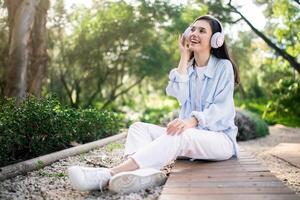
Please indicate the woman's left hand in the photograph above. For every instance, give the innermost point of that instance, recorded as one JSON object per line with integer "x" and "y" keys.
{"x": 177, "y": 126}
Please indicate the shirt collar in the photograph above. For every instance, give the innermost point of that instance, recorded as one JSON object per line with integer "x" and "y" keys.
{"x": 210, "y": 69}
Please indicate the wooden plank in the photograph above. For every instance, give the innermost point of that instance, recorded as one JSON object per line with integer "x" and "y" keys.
{"x": 225, "y": 170}
{"x": 194, "y": 168}
{"x": 213, "y": 179}
{"x": 222, "y": 165}
{"x": 221, "y": 174}
{"x": 208, "y": 165}
{"x": 224, "y": 184}
{"x": 189, "y": 191}
{"x": 219, "y": 163}
{"x": 194, "y": 163}
{"x": 230, "y": 162}
{"x": 182, "y": 162}
{"x": 230, "y": 197}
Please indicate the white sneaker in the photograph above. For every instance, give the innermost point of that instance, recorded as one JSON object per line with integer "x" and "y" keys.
{"x": 88, "y": 178}
{"x": 133, "y": 181}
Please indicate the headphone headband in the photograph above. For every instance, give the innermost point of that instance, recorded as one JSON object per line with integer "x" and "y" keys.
{"x": 211, "y": 18}
{"x": 219, "y": 23}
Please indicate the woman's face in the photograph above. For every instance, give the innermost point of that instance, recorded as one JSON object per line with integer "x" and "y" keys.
{"x": 199, "y": 38}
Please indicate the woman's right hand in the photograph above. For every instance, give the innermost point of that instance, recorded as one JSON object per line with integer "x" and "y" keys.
{"x": 183, "y": 44}
{"x": 185, "y": 54}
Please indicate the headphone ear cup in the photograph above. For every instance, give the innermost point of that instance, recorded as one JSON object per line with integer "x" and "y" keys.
{"x": 187, "y": 32}
{"x": 217, "y": 40}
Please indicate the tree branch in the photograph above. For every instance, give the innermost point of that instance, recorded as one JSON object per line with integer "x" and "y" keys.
{"x": 109, "y": 101}
{"x": 281, "y": 52}
{"x": 99, "y": 88}
{"x": 69, "y": 92}
{"x": 235, "y": 21}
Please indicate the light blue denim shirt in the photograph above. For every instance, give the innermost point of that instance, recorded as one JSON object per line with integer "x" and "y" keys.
{"x": 217, "y": 110}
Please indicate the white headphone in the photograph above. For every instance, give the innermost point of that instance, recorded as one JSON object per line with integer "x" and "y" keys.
{"x": 217, "y": 39}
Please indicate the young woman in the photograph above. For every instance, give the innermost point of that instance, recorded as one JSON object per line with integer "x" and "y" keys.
{"x": 204, "y": 84}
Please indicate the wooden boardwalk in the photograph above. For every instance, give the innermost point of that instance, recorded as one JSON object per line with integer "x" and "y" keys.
{"x": 235, "y": 179}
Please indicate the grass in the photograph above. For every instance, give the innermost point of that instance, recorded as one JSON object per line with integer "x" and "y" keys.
{"x": 40, "y": 164}
{"x": 82, "y": 156}
{"x": 114, "y": 145}
{"x": 47, "y": 174}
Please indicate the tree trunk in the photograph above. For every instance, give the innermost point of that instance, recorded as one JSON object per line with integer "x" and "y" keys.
{"x": 37, "y": 70}
{"x": 21, "y": 18}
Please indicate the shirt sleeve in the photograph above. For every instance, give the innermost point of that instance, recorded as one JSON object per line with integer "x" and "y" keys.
{"x": 221, "y": 110}
{"x": 178, "y": 86}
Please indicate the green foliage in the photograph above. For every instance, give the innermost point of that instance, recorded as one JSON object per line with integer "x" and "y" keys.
{"x": 266, "y": 75}
{"x": 41, "y": 126}
{"x": 155, "y": 115}
{"x": 113, "y": 46}
{"x": 257, "y": 105}
{"x": 92, "y": 124}
{"x": 285, "y": 105}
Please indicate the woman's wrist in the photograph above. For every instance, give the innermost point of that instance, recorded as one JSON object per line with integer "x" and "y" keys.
{"x": 183, "y": 65}
{"x": 194, "y": 121}
{"x": 184, "y": 57}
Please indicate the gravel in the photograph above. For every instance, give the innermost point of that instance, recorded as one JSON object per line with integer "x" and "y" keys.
{"x": 51, "y": 182}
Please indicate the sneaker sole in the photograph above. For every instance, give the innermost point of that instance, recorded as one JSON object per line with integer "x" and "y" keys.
{"x": 128, "y": 182}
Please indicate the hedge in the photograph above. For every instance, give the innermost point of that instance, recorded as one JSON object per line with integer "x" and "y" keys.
{"x": 39, "y": 126}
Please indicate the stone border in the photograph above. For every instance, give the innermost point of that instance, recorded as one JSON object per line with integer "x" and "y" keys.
{"x": 10, "y": 171}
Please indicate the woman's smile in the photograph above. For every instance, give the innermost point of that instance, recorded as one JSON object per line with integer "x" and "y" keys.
{"x": 194, "y": 40}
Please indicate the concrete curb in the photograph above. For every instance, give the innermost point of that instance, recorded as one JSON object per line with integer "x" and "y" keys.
{"x": 10, "y": 171}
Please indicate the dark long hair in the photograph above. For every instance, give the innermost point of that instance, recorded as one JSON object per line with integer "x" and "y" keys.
{"x": 221, "y": 52}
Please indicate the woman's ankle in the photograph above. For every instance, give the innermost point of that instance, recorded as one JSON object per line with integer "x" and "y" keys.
{"x": 128, "y": 165}
{"x": 126, "y": 156}
{"x": 112, "y": 172}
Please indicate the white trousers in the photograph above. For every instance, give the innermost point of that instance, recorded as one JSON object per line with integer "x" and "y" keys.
{"x": 150, "y": 146}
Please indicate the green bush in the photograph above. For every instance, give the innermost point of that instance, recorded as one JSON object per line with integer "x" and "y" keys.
{"x": 41, "y": 126}
{"x": 256, "y": 127}
{"x": 285, "y": 105}
{"x": 261, "y": 127}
